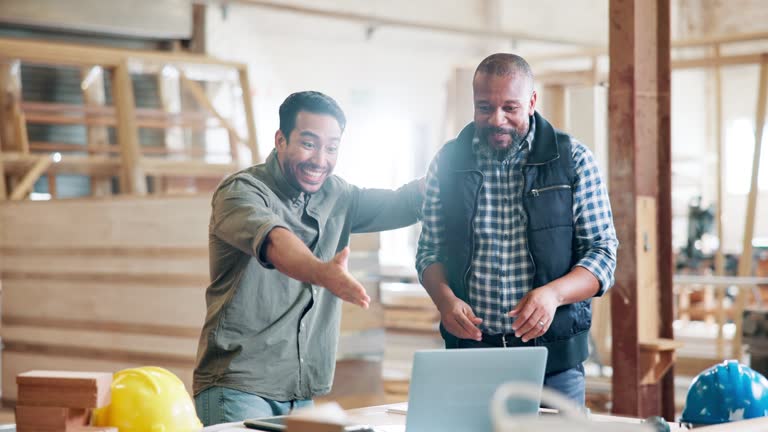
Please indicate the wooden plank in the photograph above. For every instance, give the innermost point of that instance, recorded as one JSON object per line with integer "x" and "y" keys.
{"x": 165, "y": 167}
{"x": 120, "y": 222}
{"x": 17, "y": 164}
{"x": 47, "y": 52}
{"x": 41, "y": 418}
{"x": 118, "y": 301}
{"x": 15, "y": 363}
{"x": 245, "y": 86}
{"x": 732, "y": 60}
{"x": 745, "y": 261}
{"x": 64, "y": 389}
{"x": 646, "y": 243}
{"x": 188, "y": 262}
{"x": 28, "y": 181}
{"x": 95, "y": 339}
{"x": 132, "y": 177}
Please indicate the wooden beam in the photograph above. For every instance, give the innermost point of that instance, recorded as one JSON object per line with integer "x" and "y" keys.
{"x": 94, "y": 97}
{"x": 245, "y": 86}
{"x": 732, "y": 60}
{"x": 198, "y": 93}
{"x": 720, "y": 39}
{"x": 639, "y": 138}
{"x": 745, "y": 261}
{"x": 28, "y": 181}
{"x": 381, "y": 21}
{"x": 188, "y": 168}
{"x": 10, "y": 94}
{"x": 46, "y": 52}
{"x": 132, "y": 176}
{"x": 16, "y": 164}
{"x": 21, "y": 139}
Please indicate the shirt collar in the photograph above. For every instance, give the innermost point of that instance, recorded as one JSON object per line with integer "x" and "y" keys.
{"x": 526, "y": 143}
{"x": 274, "y": 168}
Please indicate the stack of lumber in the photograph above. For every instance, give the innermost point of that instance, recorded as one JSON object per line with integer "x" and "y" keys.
{"x": 60, "y": 401}
{"x": 412, "y": 324}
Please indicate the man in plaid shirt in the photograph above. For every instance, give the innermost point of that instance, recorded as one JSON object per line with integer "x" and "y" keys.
{"x": 517, "y": 234}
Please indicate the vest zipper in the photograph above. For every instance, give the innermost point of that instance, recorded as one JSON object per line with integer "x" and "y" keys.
{"x": 536, "y": 192}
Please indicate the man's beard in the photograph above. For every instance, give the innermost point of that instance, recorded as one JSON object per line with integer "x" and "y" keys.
{"x": 516, "y": 137}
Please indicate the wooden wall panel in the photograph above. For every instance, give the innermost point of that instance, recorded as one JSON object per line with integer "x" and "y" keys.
{"x": 106, "y": 284}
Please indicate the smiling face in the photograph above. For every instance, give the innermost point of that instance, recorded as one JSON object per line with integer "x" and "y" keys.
{"x": 503, "y": 105}
{"x": 308, "y": 155}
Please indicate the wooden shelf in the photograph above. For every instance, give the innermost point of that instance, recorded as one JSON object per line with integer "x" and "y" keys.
{"x": 656, "y": 357}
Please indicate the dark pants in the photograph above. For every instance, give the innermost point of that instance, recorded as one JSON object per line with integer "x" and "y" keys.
{"x": 569, "y": 382}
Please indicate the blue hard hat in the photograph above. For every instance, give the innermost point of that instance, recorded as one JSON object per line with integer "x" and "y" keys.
{"x": 726, "y": 392}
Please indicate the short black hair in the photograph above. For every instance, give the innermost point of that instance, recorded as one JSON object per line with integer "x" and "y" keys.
{"x": 503, "y": 64}
{"x": 311, "y": 101}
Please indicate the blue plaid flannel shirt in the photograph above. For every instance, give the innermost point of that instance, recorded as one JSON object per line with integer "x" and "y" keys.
{"x": 499, "y": 281}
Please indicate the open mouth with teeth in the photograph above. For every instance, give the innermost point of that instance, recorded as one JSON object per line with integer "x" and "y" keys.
{"x": 311, "y": 174}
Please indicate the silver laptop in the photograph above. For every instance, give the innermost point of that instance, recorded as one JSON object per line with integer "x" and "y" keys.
{"x": 451, "y": 390}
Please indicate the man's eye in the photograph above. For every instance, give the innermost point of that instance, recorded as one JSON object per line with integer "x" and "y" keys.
{"x": 308, "y": 144}
{"x": 483, "y": 109}
{"x": 331, "y": 150}
{"x": 510, "y": 109}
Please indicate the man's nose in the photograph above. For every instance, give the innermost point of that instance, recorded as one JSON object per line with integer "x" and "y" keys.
{"x": 497, "y": 118}
{"x": 318, "y": 157}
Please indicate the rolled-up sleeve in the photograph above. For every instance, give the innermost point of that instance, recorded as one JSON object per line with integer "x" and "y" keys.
{"x": 432, "y": 227}
{"x": 383, "y": 209}
{"x": 242, "y": 217}
{"x": 596, "y": 241}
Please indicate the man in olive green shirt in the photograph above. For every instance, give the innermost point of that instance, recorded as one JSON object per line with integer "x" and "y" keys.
{"x": 278, "y": 240}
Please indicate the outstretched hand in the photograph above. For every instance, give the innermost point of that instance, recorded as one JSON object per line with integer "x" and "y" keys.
{"x": 336, "y": 279}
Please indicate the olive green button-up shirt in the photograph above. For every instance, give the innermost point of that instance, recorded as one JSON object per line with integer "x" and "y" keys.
{"x": 264, "y": 332}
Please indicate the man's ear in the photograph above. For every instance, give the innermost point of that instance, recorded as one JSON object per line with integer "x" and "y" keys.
{"x": 532, "y": 107}
{"x": 280, "y": 140}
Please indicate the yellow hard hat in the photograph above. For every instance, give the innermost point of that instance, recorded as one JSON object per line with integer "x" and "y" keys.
{"x": 148, "y": 399}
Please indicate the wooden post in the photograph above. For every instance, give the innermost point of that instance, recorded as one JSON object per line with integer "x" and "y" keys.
{"x": 10, "y": 96}
{"x": 28, "y": 181}
{"x": 745, "y": 261}
{"x": 245, "y": 85}
{"x": 132, "y": 180}
{"x": 93, "y": 95}
{"x": 3, "y": 186}
{"x": 639, "y": 131}
{"x": 720, "y": 197}
{"x": 666, "y": 259}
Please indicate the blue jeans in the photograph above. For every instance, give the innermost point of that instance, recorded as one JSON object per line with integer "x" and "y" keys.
{"x": 216, "y": 405}
{"x": 570, "y": 382}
